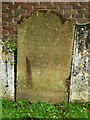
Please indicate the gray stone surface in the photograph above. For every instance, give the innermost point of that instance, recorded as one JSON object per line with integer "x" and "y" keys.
{"x": 89, "y": 82}
{"x": 88, "y": 97}
{"x": 6, "y": 72}
{"x": 80, "y": 65}
{"x": 89, "y": 66}
{"x": 89, "y": 90}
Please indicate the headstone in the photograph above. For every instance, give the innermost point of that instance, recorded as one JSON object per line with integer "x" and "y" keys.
{"x": 80, "y": 74}
{"x": 44, "y": 57}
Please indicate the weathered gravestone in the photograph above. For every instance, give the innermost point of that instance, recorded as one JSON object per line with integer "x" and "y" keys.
{"x": 44, "y": 57}
{"x": 80, "y": 73}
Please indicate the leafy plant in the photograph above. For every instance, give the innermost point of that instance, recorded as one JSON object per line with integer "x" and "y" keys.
{"x": 12, "y": 62}
{"x": 21, "y": 109}
{"x": 13, "y": 46}
{"x": 9, "y": 44}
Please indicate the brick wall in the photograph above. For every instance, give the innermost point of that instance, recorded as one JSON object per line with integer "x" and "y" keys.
{"x": 13, "y": 12}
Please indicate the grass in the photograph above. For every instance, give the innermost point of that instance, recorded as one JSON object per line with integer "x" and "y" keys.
{"x": 22, "y": 109}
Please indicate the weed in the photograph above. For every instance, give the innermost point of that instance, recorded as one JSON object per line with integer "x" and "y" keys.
{"x": 9, "y": 44}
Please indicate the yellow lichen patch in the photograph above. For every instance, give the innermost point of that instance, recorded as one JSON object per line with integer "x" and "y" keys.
{"x": 5, "y": 56}
{"x": 83, "y": 72}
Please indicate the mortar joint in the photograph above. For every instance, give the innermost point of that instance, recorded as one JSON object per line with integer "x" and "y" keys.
{"x": 83, "y": 16}
{"x": 63, "y": 12}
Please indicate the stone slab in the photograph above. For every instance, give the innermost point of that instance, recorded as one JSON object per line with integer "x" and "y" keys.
{"x": 44, "y": 57}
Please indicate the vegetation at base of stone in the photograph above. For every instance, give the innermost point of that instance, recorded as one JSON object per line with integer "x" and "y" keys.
{"x": 9, "y": 44}
{"x": 22, "y": 109}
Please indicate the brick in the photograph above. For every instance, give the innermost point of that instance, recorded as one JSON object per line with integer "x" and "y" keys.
{"x": 23, "y": 12}
{"x": 4, "y": 23}
{"x": 69, "y": 12}
{"x": 11, "y": 14}
{"x": 82, "y": 12}
{"x": 4, "y": 5}
{"x": 46, "y": 6}
{"x": 13, "y": 35}
{"x": 14, "y": 39}
{"x": 59, "y": 3}
{"x": 17, "y": 12}
{"x": 29, "y": 12}
{"x": 80, "y": 20}
{"x": 6, "y": 10}
{"x": 45, "y": 3}
{"x": 65, "y": 7}
{"x": 87, "y": 15}
{"x": 12, "y": 23}
{"x": 77, "y": 15}
{"x": 29, "y": 7}
{"x": 4, "y": 31}
{"x": 12, "y": 31}
{"x": 19, "y": 3}
{"x": 24, "y": 15}
{"x": 17, "y": 19}
{"x": 66, "y": 16}
{"x": 7, "y": 19}
{"x": 4, "y": 38}
{"x": 85, "y": 6}
{"x": 6, "y": 27}
{"x": 4, "y": 2}
{"x": 32, "y": 3}
{"x": 4, "y": 14}
{"x": 23, "y": 5}
{"x": 10, "y": 3}
{"x": 13, "y": 6}
{"x": 71, "y": 3}
{"x": 26, "y": 6}
{"x": 82, "y": 6}
{"x": 77, "y": 7}
{"x": 41, "y": 6}
{"x": 60, "y": 11}
{"x": 89, "y": 6}
{"x": 50, "y": 6}
{"x": 83, "y": 3}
